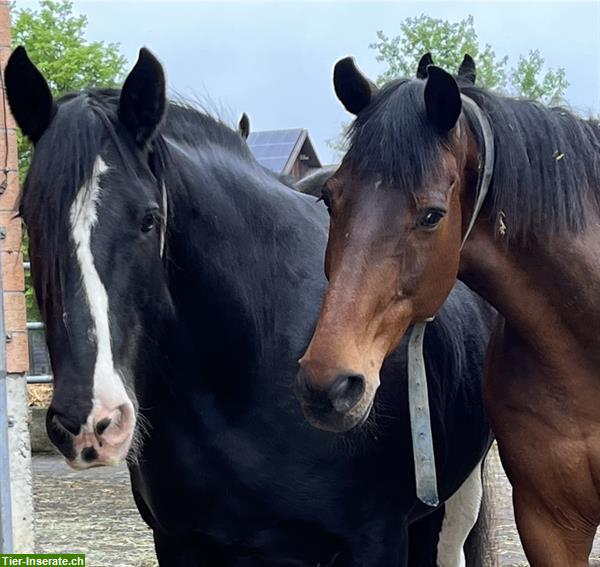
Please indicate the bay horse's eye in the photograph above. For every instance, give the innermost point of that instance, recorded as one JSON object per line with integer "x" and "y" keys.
{"x": 429, "y": 219}
{"x": 148, "y": 222}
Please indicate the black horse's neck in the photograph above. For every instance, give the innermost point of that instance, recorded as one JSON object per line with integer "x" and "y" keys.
{"x": 238, "y": 251}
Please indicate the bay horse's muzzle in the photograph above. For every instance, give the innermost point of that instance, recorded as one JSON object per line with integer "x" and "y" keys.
{"x": 331, "y": 407}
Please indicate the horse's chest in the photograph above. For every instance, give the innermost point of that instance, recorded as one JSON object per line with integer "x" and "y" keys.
{"x": 233, "y": 486}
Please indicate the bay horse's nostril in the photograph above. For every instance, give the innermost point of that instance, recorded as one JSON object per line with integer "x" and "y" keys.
{"x": 102, "y": 425}
{"x": 346, "y": 391}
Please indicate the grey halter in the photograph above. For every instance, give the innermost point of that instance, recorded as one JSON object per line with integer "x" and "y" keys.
{"x": 418, "y": 400}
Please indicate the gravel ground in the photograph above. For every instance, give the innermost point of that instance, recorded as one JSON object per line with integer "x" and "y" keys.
{"x": 89, "y": 512}
{"x": 92, "y": 512}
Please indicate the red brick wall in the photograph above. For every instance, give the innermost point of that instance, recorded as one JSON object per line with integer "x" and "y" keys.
{"x": 15, "y": 317}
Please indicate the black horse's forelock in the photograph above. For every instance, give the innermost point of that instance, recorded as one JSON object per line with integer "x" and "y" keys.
{"x": 547, "y": 160}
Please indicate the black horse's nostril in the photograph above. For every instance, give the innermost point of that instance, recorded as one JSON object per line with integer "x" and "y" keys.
{"x": 68, "y": 424}
{"x": 61, "y": 432}
{"x": 102, "y": 425}
{"x": 89, "y": 454}
{"x": 346, "y": 391}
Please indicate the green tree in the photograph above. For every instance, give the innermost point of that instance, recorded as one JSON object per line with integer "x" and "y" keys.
{"x": 448, "y": 42}
{"x": 55, "y": 41}
{"x": 529, "y": 80}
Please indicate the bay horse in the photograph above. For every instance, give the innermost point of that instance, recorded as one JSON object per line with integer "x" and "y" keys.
{"x": 401, "y": 203}
{"x": 179, "y": 282}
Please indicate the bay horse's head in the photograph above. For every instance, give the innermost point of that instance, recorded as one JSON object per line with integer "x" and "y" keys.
{"x": 94, "y": 206}
{"x": 395, "y": 234}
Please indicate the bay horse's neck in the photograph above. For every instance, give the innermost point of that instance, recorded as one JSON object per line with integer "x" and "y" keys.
{"x": 540, "y": 384}
{"x": 546, "y": 288}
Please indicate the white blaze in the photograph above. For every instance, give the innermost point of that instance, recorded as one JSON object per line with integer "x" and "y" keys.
{"x": 108, "y": 390}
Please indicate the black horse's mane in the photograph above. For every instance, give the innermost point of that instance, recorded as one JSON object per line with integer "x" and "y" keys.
{"x": 547, "y": 160}
{"x": 192, "y": 125}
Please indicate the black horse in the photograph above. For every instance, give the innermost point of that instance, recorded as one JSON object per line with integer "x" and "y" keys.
{"x": 180, "y": 282}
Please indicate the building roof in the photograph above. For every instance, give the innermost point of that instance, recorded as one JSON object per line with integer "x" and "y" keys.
{"x": 278, "y": 150}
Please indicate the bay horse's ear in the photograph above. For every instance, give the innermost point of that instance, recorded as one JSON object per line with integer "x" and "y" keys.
{"x": 143, "y": 98}
{"x": 352, "y": 88}
{"x": 426, "y": 60}
{"x": 244, "y": 126}
{"x": 28, "y": 94}
{"x": 442, "y": 98}
{"x": 467, "y": 72}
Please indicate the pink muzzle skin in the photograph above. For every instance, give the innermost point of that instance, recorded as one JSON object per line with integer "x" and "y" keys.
{"x": 106, "y": 437}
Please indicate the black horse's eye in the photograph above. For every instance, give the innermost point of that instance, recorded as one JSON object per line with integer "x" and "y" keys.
{"x": 429, "y": 219}
{"x": 148, "y": 222}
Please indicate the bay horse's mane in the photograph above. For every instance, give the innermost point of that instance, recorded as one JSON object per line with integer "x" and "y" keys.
{"x": 547, "y": 160}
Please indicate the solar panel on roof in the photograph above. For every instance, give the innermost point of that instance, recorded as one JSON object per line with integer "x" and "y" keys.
{"x": 272, "y": 148}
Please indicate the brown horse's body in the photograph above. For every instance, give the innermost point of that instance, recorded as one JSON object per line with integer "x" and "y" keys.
{"x": 542, "y": 384}
{"x": 400, "y": 205}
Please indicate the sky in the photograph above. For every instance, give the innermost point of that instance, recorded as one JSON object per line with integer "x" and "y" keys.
{"x": 274, "y": 60}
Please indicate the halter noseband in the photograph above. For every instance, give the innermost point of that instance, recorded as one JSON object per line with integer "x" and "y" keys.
{"x": 418, "y": 397}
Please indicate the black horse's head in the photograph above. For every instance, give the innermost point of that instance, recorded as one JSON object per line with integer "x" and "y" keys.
{"x": 95, "y": 207}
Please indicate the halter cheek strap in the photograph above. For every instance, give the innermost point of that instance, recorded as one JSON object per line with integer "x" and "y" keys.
{"x": 486, "y": 169}
{"x": 163, "y": 224}
{"x": 418, "y": 396}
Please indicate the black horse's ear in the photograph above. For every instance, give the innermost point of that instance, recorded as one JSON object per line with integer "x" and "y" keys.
{"x": 426, "y": 60}
{"x": 467, "y": 72}
{"x": 352, "y": 88}
{"x": 28, "y": 94}
{"x": 143, "y": 97}
{"x": 442, "y": 98}
{"x": 244, "y": 126}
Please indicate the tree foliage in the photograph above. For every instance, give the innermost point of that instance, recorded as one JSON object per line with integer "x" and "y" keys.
{"x": 449, "y": 41}
{"x": 529, "y": 81}
{"x": 446, "y": 41}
